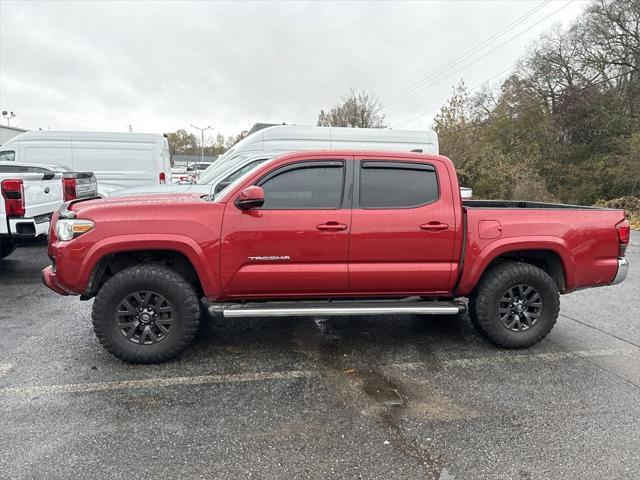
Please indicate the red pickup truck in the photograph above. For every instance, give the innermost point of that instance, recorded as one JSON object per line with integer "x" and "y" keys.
{"x": 328, "y": 233}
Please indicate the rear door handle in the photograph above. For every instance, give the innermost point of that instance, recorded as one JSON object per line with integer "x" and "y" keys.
{"x": 332, "y": 226}
{"x": 434, "y": 226}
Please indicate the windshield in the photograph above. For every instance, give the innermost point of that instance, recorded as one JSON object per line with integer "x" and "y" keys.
{"x": 240, "y": 177}
{"x": 219, "y": 167}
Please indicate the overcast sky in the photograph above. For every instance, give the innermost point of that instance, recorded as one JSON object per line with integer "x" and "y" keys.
{"x": 160, "y": 66}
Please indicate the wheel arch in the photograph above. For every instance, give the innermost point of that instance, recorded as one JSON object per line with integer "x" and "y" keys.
{"x": 551, "y": 256}
{"x": 107, "y": 258}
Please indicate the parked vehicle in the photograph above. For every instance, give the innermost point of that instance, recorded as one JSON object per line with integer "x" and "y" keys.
{"x": 328, "y": 233}
{"x": 285, "y": 138}
{"x": 178, "y": 174}
{"x": 27, "y": 202}
{"x": 30, "y": 195}
{"x": 74, "y": 184}
{"x": 198, "y": 167}
{"x": 118, "y": 160}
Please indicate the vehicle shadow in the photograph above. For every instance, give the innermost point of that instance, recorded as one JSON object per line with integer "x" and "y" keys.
{"x": 366, "y": 340}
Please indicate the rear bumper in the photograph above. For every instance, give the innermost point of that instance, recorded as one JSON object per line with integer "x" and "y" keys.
{"x": 50, "y": 280}
{"x": 623, "y": 269}
{"x": 29, "y": 227}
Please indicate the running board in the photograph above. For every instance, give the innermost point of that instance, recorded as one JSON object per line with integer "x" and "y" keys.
{"x": 305, "y": 309}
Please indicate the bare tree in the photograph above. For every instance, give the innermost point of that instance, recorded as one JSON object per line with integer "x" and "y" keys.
{"x": 355, "y": 109}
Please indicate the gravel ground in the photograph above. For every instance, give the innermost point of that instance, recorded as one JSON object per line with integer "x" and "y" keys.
{"x": 363, "y": 397}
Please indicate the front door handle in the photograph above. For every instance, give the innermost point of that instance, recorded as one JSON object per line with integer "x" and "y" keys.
{"x": 434, "y": 226}
{"x": 332, "y": 226}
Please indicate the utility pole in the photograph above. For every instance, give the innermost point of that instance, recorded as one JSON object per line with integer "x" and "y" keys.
{"x": 202, "y": 130}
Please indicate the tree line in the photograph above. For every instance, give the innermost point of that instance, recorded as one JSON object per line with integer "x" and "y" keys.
{"x": 565, "y": 125}
{"x": 184, "y": 142}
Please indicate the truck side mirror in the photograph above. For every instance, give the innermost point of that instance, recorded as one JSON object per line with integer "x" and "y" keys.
{"x": 250, "y": 197}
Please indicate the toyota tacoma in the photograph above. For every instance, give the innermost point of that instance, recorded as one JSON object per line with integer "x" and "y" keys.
{"x": 328, "y": 233}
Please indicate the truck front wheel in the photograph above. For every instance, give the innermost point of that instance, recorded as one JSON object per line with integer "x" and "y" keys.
{"x": 7, "y": 246}
{"x": 515, "y": 304}
{"x": 146, "y": 314}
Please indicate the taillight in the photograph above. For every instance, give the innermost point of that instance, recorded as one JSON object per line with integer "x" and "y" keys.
{"x": 69, "y": 187}
{"x": 163, "y": 178}
{"x": 624, "y": 233}
{"x": 13, "y": 194}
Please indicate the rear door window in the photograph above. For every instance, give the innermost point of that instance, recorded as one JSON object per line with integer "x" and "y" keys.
{"x": 397, "y": 184}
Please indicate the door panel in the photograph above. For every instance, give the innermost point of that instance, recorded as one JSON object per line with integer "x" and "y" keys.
{"x": 288, "y": 252}
{"x": 401, "y": 250}
{"x": 283, "y": 252}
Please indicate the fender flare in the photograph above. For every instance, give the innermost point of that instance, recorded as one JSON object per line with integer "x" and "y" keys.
{"x": 139, "y": 242}
{"x": 477, "y": 266}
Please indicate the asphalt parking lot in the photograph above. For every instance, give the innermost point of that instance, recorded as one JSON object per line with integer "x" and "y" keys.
{"x": 363, "y": 397}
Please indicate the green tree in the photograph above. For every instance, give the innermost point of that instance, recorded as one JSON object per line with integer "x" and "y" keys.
{"x": 183, "y": 142}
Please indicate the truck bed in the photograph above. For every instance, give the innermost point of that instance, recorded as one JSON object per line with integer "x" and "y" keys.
{"x": 583, "y": 239}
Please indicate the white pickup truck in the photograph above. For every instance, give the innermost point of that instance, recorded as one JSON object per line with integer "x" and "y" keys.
{"x": 26, "y": 204}
{"x": 30, "y": 193}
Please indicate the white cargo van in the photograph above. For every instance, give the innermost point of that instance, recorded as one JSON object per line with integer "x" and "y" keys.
{"x": 289, "y": 138}
{"x": 119, "y": 160}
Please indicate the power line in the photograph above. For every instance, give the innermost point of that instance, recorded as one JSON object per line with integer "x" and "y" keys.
{"x": 539, "y": 104}
{"x": 493, "y": 37}
{"x": 479, "y": 58}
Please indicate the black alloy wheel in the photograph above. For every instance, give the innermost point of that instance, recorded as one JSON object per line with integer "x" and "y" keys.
{"x": 520, "y": 308}
{"x": 145, "y": 317}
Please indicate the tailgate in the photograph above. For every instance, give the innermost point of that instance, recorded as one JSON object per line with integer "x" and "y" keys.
{"x": 85, "y": 185}
{"x": 42, "y": 193}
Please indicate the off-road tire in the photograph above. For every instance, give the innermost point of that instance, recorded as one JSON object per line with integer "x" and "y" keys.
{"x": 7, "y": 246}
{"x": 484, "y": 303}
{"x": 153, "y": 278}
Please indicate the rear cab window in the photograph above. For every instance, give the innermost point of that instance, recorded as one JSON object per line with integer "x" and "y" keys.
{"x": 389, "y": 185}
{"x": 23, "y": 169}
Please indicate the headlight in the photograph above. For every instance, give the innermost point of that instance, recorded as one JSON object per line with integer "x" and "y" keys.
{"x": 68, "y": 229}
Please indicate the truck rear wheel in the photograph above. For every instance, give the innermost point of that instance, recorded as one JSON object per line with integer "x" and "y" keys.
{"x": 515, "y": 304}
{"x": 7, "y": 246}
{"x": 146, "y": 314}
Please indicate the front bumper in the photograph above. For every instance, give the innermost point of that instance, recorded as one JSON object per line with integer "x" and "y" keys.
{"x": 623, "y": 269}
{"x": 50, "y": 280}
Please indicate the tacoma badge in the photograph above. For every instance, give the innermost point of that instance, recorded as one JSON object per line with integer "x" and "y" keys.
{"x": 272, "y": 258}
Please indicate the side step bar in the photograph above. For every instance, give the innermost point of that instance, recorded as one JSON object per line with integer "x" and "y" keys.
{"x": 304, "y": 309}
